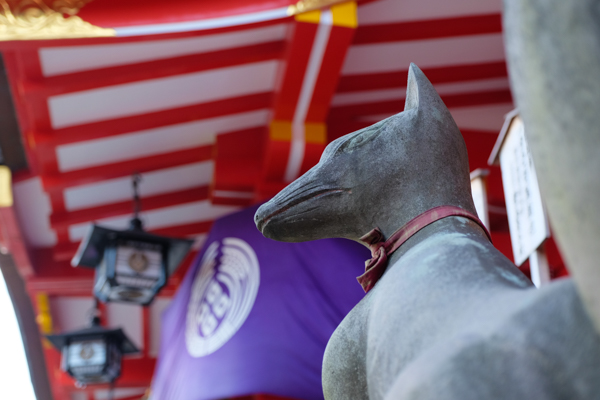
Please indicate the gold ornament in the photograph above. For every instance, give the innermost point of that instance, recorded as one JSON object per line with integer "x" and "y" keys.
{"x": 35, "y": 19}
{"x": 310, "y": 5}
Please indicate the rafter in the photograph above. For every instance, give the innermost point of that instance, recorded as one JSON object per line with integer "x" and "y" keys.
{"x": 125, "y": 168}
{"x": 397, "y": 79}
{"x": 397, "y": 105}
{"x": 429, "y": 29}
{"x": 36, "y": 89}
{"x": 63, "y": 220}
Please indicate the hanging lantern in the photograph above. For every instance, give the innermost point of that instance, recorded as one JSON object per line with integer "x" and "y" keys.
{"x": 132, "y": 265}
{"x": 93, "y": 355}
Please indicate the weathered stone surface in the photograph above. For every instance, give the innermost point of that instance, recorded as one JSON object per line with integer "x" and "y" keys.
{"x": 383, "y": 175}
{"x": 451, "y": 318}
{"x": 553, "y": 52}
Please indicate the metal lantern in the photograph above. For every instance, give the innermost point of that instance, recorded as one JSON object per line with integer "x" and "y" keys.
{"x": 93, "y": 355}
{"x": 132, "y": 265}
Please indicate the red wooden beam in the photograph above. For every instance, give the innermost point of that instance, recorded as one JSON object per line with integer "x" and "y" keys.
{"x": 45, "y": 152}
{"x": 429, "y": 29}
{"x": 479, "y": 146}
{"x": 64, "y": 219}
{"x": 47, "y": 267}
{"x": 12, "y": 241}
{"x": 65, "y": 286}
{"x": 24, "y": 117}
{"x": 329, "y": 74}
{"x": 146, "y": 332}
{"x": 297, "y": 133}
{"x": 125, "y": 168}
{"x": 45, "y": 140}
{"x": 395, "y": 106}
{"x": 238, "y": 159}
{"x": 194, "y": 228}
{"x": 296, "y": 57}
{"x": 36, "y": 89}
{"x": 396, "y": 79}
{"x": 337, "y": 128}
{"x": 52, "y": 358}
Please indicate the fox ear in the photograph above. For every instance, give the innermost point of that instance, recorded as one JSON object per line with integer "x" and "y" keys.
{"x": 412, "y": 89}
{"x": 419, "y": 91}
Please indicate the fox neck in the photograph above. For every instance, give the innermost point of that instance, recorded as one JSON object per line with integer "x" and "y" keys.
{"x": 458, "y": 225}
{"x": 395, "y": 215}
{"x": 413, "y": 190}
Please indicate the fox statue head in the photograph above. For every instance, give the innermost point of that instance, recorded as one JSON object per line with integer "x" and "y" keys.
{"x": 381, "y": 176}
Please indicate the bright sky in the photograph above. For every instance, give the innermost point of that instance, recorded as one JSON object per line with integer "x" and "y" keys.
{"x": 15, "y": 382}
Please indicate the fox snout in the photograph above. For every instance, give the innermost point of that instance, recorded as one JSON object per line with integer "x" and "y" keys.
{"x": 300, "y": 211}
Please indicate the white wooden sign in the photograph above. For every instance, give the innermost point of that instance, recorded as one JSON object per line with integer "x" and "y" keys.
{"x": 526, "y": 215}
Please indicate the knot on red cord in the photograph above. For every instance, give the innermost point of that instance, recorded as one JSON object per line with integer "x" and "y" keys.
{"x": 375, "y": 266}
{"x": 380, "y": 249}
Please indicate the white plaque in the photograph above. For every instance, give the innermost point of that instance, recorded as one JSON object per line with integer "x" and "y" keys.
{"x": 526, "y": 215}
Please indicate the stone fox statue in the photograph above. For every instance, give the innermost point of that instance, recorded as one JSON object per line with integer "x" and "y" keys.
{"x": 451, "y": 317}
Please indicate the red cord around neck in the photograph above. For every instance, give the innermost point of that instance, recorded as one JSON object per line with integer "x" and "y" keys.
{"x": 381, "y": 250}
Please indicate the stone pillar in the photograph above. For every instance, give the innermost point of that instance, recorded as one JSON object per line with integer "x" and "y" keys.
{"x": 553, "y": 53}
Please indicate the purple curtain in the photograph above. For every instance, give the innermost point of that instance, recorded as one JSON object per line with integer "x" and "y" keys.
{"x": 254, "y": 315}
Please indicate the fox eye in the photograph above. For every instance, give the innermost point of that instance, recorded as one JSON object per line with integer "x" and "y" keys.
{"x": 361, "y": 138}
{"x": 355, "y": 142}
